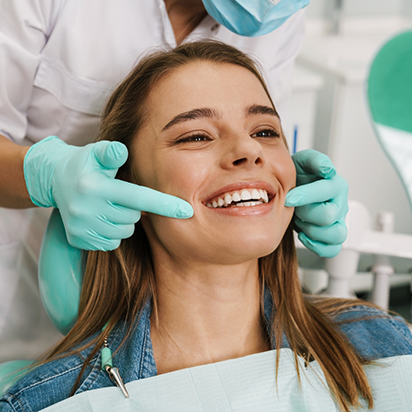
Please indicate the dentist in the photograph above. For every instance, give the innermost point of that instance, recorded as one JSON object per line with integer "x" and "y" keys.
{"x": 59, "y": 62}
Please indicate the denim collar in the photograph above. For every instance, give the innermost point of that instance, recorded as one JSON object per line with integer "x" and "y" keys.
{"x": 137, "y": 352}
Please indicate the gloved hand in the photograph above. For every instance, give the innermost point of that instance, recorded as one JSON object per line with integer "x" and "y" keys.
{"x": 97, "y": 210}
{"x": 321, "y": 202}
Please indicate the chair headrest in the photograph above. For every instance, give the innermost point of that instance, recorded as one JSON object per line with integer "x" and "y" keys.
{"x": 60, "y": 275}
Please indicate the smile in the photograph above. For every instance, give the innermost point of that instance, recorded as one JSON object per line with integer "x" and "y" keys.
{"x": 243, "y": 198}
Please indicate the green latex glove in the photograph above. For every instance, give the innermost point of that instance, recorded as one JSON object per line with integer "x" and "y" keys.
{"x": 97, "y": 210}
{"x": 321, "y": 202}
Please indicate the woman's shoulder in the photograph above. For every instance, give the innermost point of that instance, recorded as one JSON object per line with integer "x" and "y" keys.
{"x": 43, "y": 386}
{"x": 49, "y": 383}
{"x": 54, "y": 381}
{"x": 374, "y": 333}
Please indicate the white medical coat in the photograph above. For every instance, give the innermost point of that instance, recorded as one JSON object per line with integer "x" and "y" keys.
{"x": 59, "y": 62}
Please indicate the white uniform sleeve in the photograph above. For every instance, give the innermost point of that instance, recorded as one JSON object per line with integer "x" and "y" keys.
{"x": 280, "y": 71}
{"x": 24, "y": 29}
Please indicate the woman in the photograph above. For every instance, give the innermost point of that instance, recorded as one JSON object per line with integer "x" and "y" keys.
{"x": 60, "y": 61}
{"x": 199, "y": 124}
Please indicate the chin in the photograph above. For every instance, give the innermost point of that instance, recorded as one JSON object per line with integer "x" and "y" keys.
{"x": 252, "y": 249}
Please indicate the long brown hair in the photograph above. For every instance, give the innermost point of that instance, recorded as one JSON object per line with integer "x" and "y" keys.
{"x": 117, "y": 284}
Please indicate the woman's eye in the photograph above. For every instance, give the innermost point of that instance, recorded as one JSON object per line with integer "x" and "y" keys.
{"x": 194, "y": 138}
{"x": 266, "y": 133}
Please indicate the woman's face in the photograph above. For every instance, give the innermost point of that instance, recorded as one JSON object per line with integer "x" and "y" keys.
{"x": 212, "y": 138}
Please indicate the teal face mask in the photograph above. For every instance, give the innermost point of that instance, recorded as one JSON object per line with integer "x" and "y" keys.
{"x": 252, "y": 17}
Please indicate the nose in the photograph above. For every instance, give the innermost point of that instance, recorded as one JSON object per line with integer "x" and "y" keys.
{"x": 243, "y": 150}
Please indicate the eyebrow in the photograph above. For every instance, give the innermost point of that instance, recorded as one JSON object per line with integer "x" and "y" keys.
{"x": 211, "y": 113}
{"x": 258, "y": 109}
{"x": 192, "y": 115}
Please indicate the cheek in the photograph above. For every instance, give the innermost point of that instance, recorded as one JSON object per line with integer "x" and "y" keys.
{"x": 150, "y": 171}
{"x": 286, "y": 172}
{"x": 287, "y": 217}
{"x": 180, "y": 174}
{"x": 174, "y": 237}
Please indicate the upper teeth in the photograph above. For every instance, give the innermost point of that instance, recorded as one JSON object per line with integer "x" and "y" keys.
{"x": 258, "y": 196}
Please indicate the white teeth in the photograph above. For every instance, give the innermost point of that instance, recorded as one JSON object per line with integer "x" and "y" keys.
{"x": 236, "y": 197}
{"x": 250, "y": 203}
{"x": 256, "y": 194}
{"x": 244, "y": 198}
{"x": 245, "y": 195}
{"x": 228, "y": 199}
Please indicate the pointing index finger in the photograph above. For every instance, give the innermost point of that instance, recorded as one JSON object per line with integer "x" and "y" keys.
{"x": 145, "y": 199}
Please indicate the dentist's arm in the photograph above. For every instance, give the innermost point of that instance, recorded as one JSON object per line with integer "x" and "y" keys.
{"x": 13, "y": 191}
{"x": 321, "y": 202}
{"x": 97, "y": 210}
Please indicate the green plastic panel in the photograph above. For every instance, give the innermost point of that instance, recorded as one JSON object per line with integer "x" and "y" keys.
{"x": 60, "y": 275}
{"x": 11, "y": 372}
{"x": 390, "y": 83}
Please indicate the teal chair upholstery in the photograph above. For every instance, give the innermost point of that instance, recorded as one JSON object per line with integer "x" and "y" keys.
{"x": 60, "y": 275}
{"x": 389, "y": 95}
{"x": 11, "y": 372}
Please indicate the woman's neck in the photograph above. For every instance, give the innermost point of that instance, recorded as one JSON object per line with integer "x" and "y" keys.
{"x": 206, "y": 315}
{"x": 184, "y": 16}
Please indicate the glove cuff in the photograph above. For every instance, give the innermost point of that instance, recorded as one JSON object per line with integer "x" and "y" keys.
{"x": 38, "y": 166}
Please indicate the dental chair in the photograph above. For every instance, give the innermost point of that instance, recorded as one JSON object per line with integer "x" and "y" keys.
{"x": 389, "y": 99}
{"x": 389, "y": 95}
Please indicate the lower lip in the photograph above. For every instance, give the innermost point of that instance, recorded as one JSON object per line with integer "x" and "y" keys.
{"x": 245, "y": 210}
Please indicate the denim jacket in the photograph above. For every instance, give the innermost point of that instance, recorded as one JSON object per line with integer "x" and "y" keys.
{"x": 376, "y": 336}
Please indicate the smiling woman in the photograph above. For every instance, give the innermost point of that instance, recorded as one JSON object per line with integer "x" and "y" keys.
{"x": 212, "y": 137}
{"x": 199, "y": 124}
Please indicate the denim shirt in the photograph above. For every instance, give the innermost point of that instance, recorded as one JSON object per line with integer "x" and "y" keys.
{"x": 376, "y": 336}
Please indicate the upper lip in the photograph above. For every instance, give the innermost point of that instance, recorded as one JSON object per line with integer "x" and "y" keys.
{"x": 234, "y": 187}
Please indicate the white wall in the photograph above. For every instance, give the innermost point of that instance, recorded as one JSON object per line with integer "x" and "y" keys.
{"x": 321, "y": 8}
{"x": 376, "y": 185}
{"x": 407, "y": 8}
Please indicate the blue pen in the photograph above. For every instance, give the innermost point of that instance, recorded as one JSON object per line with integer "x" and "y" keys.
{"x": 295, "y": 139}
